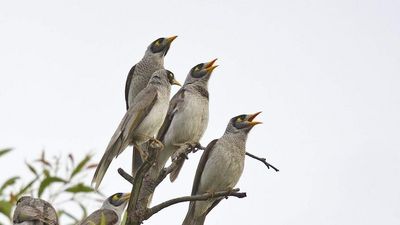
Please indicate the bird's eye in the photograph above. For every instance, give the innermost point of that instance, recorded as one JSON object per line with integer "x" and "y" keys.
{"x": 157, "y": 43}
{"x": 115, "y": 198}
{"x": 196, "y": 68}
{"x": 239, "y": 119}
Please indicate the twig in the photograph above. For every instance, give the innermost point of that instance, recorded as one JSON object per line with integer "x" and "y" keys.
{"x": 263, "y": 160}
{"x": 126, "y": 175}
{"x": 202, "y": 197}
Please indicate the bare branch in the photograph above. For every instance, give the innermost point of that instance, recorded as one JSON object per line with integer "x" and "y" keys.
{"x": 202, "y": 197}
{"x": 263, "y": 160}
{"x": 126, "y": 175}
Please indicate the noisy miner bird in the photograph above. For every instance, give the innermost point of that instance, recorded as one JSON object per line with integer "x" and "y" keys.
{"x": 34, "y": 211}
{"x": 111, "y": 211}
{"x": 141, "y": 122}
{"x": 220, "y": 167}
{"x": 187, "y": 116}
{"x": 140, "y": 73}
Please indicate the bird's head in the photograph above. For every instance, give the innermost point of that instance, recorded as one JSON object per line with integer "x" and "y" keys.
{"x": 163, "y": 77}
{"x": 201, "y": 72}
{"x": 242, "y": 123}
{"x": 117, "y": 201}
{"x": 160, "y": 46}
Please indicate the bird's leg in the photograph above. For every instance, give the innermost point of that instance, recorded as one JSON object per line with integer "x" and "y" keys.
{"x": 198, "y": 147}
{"x": 142, "y": 153}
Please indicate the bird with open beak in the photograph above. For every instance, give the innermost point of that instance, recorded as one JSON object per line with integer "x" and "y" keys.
{"x": 220, "y": 166}
{"x": 187, "y": 116}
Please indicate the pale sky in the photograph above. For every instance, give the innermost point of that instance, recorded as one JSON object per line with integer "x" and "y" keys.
{"x": 325, "y": 74}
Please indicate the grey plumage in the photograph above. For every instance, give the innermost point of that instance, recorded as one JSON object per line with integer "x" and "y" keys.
{"x": 110, "y": 212}
{"x": 34, "y": 211}
{"x": 139, "y": 75}
{"x": 141, "y": 122}
{"x": 220, "y": 167}
{"x": 187, "y": 116}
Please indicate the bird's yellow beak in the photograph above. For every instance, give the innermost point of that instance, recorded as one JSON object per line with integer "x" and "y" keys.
{"x": 126, "y": 196}
{"x": 171, "y": 39}
{"x": 251, "y": 117}
{"x": 209, "y": 64}
{"x": 175, "y": 82}
{"x": 211, "y": 68}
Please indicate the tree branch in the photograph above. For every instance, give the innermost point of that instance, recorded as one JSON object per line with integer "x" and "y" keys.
{"x": 202, "y": 197}
{"x": 263, "y": 160}
{"x": 126, "y": 175}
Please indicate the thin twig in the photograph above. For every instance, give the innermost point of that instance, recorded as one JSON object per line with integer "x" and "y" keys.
{"x": 202, "y": 197}
{"x": 263, "y": 160}
{"x": 126, "y": 175}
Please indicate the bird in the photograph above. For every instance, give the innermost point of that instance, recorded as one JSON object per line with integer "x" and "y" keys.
{"x": 141, "y": 122}
{"x": 220, "y": 166}
{"x": 34, "y": 211}
{"x": 139, "y": 75}
{"x": 111, "y": 211}
{"x": 187, "y": 116}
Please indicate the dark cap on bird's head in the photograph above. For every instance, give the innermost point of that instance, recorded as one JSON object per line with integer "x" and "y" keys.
{"x": 118, "y": 199}
{"x": 243, "y": 122}
{"x": 162, "y": 45}
{"x": 171, "y": 78}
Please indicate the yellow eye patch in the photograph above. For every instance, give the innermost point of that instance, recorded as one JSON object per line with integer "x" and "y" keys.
{"x": 157, "y": 43}
{"x": 239, "y": 119}
{"x": 115, "y": 198}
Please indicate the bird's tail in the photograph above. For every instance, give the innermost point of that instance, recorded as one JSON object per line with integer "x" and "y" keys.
{"x": 174, "y": 174}
{"x": 190, "y": 218}
{"x": 112, "y": 151}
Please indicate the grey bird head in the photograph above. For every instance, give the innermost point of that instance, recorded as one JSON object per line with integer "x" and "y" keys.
{"x": 242, "y": 123}
{"x": 160, "y": 47}
{"x": 117, "y": 202}
{"x": 163, "y": 77}
{"x": 201, "y": 73}
{"x": 34, "y": 211}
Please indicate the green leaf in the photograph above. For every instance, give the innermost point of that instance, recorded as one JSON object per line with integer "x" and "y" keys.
{"x": 8, "y": 182}
{"x": 84, "y": 210}
{"x": 80, "y": 166}
{"x": 47, "y": 182}
{"x": 79, "y": 188}
{"x": 4, "y": 151}
{"x": 5, "y": 208}
{"x": 31, "y": 168}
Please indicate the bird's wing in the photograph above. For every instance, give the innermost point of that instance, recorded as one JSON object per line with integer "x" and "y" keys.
{"x": 128, "y": 85}
{"x": 120, "y": 140}
{"x": 108, "y": 216}
{"x": 29, "y": 213}
{"x": 200, "y": 167}
{"x": 172, "y": 109}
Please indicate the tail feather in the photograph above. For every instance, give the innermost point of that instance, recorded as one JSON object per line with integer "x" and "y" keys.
{"x": 112, "y": 151}
{"x": 190, "y": 218}
{"x": 174, "y": 174}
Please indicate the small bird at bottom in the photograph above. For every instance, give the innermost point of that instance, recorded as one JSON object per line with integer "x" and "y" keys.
{"x": 34, "y": 211}
{"x": 220, "y": 167}
{"x": 111, "y": 211}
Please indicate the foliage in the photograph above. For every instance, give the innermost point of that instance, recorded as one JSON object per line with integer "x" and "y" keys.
{"x": 57, "y": 179}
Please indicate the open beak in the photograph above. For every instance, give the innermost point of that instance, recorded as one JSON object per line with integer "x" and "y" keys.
{"x": 171, "y": 39}
{"x": 251, "y": 117}
{"x": 209, "y": 64}
{"x": 126, "y": 196}
{"x": 211, "y": 68}
{"x": 176, "y": 82}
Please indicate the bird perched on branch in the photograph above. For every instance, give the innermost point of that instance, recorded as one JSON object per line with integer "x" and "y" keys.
{"x": 111, "y": 211}
{"x": 141, "y": 122}
{"x": 187, "y": 116}
{"x": 140, "y": 74}
{"x": 34, "y": 211}
{"x": 220, "y": 167}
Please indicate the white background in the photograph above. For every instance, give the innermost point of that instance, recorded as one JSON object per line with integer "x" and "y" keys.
{"x": 324, "y": 73}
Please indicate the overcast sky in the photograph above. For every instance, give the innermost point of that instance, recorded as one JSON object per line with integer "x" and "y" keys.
{"x": 324, "y": 73}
